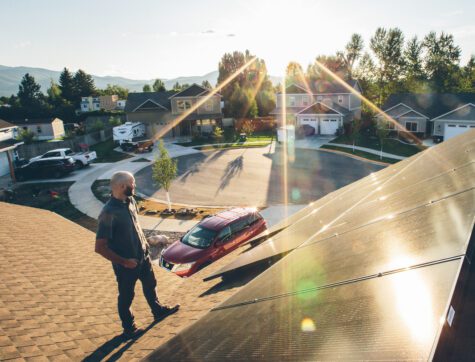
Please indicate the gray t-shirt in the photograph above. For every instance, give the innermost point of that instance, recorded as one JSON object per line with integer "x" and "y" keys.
{"x": 118, "y": 223}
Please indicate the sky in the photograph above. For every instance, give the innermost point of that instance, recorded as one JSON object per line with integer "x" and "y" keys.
{"x": 145, "y": 39}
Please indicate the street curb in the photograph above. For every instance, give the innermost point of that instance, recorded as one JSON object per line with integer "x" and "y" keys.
{"x": 356, "y": 157}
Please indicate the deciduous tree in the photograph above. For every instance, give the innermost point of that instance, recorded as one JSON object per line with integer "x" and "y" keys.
{"x": 164, "y": 170}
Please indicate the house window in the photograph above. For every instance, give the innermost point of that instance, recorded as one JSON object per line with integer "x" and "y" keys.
{"x": 292, "y": 101}
{"x": 305, "y": 101}
{"x": 183, "y": 105}
{"x": 38, "y": 129}
{"x": 391, "y": 125}
{"x": 340, "y": 99}
{"x": 411, "y": 126}
{"x": 319, "y": 98}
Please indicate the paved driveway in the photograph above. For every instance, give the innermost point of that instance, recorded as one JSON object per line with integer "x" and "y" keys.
{"x": 256, "y": 177}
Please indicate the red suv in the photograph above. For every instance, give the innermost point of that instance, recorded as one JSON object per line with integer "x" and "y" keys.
{"x": 211, "y": 239}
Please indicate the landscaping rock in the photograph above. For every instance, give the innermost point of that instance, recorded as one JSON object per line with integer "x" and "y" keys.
{"x": 159, "y": 240}
{"x": 151, "y": 212}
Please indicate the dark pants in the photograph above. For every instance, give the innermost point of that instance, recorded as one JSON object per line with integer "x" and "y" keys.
{"x": 126, "y": 279}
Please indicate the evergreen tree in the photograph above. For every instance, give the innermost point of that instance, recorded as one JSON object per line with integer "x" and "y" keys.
{"x": 29, "y": 93}
{"x": 83, "y": 85}
{"x": 66, "y": 85}
{"x": 146, "y": 88}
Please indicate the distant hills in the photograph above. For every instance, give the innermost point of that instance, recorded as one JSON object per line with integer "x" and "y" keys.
{"x": 10, "y": 78}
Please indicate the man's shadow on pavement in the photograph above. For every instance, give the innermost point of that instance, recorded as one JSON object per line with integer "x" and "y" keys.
{"x": 103, "y": 351}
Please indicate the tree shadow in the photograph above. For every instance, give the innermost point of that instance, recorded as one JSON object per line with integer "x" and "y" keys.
{"x": 232, "y": 169}
{"x": 103, "y": 351}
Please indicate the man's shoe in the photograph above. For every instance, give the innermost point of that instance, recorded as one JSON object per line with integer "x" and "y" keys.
{"x": 133, "y": 332}
{"x": 165, "y": 311}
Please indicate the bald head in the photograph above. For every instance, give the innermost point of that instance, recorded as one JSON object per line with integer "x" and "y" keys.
{"x": 121, "y": 182}
{"x": 121, "y": 177}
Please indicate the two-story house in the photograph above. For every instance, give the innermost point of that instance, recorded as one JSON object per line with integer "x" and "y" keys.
{"x": 323, "y": 105}
{"x": 107, "y": 103}
{"x": 441, "y": 116}
{"x": 162, "y": 112}
{"x": 8, "y": 143}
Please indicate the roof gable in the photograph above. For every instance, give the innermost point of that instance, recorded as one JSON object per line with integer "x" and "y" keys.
{"x": 465, "y": 112}
{"x": 193, "y": 90}
{"x": 150, "y": 104}
{"x": 135, "y": 100}
{"x": 319, "y": 108}
{"x": 430, "y": 104}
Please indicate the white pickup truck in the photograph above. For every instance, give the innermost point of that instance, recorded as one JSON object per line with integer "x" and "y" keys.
{"x": 82, "y": 159}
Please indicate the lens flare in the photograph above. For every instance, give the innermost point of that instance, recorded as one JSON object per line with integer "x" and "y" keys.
{"x": 201, "y": 101}
{"x": 308, "y": 325}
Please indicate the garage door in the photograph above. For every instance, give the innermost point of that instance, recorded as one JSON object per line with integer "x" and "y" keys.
{"x": 454, "y": 129}
{"x": 311, "y": 122}
{"x": 328, "y": 126}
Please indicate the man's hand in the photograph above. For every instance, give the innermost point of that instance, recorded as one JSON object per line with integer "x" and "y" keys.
{"x": 130, "y": 263}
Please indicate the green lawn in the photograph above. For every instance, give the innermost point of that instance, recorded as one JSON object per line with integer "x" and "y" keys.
{"x": 105, "y": 152}
{"x": 263, "y": 138}
{"x": 233, "y": 145}
{"x": 363, "y": 154}
{"x": 53, "y": 197}
{"x": 389, "y": 145}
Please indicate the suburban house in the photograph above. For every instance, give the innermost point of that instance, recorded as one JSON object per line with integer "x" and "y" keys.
{"x": 106, "y": 103}
{"x": 157, "y": 110}
{"x": 324, "y": 105}
{"x": 8, "y": 143}
{"x": 43, "y": 128}
{"x": 441, "y": 116}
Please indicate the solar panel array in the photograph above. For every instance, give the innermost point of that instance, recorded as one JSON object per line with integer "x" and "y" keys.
{"x": 370, "y": 272}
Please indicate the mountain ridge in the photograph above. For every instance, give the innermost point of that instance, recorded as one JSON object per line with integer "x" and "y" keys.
{"x": 10, "y": 78}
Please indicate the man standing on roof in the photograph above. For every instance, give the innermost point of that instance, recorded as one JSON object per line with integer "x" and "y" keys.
{"x": 121, "y": 240}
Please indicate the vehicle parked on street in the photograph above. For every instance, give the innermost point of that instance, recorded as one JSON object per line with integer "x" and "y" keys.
{"x": 48, "y": 168}
{"x": 82, "y": 159}
{"x": 211, "y": 239}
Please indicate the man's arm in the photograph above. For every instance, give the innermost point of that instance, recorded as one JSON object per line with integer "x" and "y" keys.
{"x": 103, "y": 249}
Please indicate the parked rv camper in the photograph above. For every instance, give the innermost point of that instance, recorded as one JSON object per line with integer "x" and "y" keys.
{"x": 128, "y": 131}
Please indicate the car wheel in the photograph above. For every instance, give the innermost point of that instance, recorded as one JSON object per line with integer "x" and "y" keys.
{"x": 80, "y": 164}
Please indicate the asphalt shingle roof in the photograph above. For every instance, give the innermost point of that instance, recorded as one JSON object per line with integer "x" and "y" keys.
{"x": 58, "y": 298}
{"x": 5, "y": 124}
{"x": 320, "y": 87}
{"x": 192, "y": 91}
{"x": 136, "y": 99}
{"x": 34, "y": 120}
{"x": 430, "y": 104}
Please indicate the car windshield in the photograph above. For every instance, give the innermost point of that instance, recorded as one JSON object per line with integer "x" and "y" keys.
{"x": 199, "y": 237}
{"x": 68, "y": 152}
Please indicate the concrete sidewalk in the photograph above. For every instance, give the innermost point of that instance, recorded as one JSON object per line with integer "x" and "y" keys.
{"x": 368, "y": 150}
{"x": 81, "y": 196}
